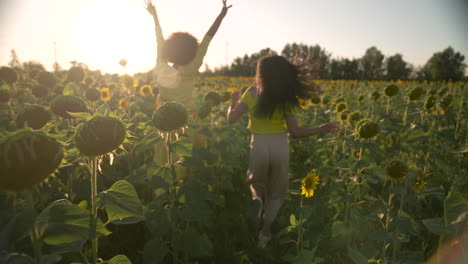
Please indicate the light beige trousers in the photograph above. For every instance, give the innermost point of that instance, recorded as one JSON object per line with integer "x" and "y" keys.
{"x": 268, "y": 171}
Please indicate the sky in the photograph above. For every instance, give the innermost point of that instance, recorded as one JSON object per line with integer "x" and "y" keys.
{"x": 99, "y": 33}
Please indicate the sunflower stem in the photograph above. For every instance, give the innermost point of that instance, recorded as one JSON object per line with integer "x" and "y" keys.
{"x": 93, "y": 216}
{"x": 35, "y": 232}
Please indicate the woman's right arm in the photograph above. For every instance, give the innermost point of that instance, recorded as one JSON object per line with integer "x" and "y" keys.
{"x": 157, "y": 27}
{"x": 297, "y": 131}
{"x": 237, "y": 108}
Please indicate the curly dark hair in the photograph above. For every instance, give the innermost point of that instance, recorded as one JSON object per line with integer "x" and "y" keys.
{"x": 280, "y": 83}
{"x": 180, "y": 48}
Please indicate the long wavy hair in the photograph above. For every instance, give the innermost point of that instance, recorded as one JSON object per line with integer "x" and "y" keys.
{"x": 281, "y": 84}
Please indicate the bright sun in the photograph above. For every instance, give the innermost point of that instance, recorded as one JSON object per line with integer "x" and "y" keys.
{"x": 107, "y": 34}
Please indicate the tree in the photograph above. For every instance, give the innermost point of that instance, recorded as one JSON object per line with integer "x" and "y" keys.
{"x": 14, "y": 61}
{"x": 372, "y": 64}
{"x": 397, "y": 68}
{"x": 319, "y": 54}
{"x": 445, "y": 65}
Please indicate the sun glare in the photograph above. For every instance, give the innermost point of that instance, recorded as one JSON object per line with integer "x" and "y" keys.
{"x": 107, "y": 34}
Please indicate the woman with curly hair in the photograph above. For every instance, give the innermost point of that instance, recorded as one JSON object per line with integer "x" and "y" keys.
{"x": 271, "y": 105}
{"x": 176, "y": 81}
{"x": 183, "y": 51}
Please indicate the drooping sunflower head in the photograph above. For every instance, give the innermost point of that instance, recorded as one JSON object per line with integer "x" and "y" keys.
{"x": 340, "y": 107}
{"x": 62, "y": 104}
{"x": 375, "y": 95}
{"x": 309, "y": 184}
{"x": 170, "y": 116}
{"x": 391, "y": 90}
{"x": 367, "y": 128}
{"x": 146, "y": 90}
{"x": 396, "y": 169}
{"x": 430, "y": 102}
{"x": 213, "y": 99}
{"x": 33, "y": 116}
{"x": 344, "y": 115}
{"x": 47, "y": 79}
{"x": 75, "y": 74}
{"x": 8, "y": 75}
{"x": 316, "y": 100}
{"x": 105, "y": 94}
{"x": 123, "y": 104}
{"x": 100, "y": 135}
{"x": 27, "y": 157}
{"x": 416, "y": 93}
{"x": 354, "y": 117}
{"x": 92, "y": 94}
{"x": 39, "y": 91}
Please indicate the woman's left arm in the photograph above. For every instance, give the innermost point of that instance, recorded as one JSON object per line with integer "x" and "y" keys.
{"x": 214, "y": 28}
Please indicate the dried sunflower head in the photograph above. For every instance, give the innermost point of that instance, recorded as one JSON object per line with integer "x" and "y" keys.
{"x": 33, "y": 116}
{"x": 62, "y": 104}
{"x": 416, "y": 93}
{"x": 27, "y": 157}
{"x": 8, "y": 75}
{"x": 367, "y": 128}
{"x": 170, "y": 116}
{"x": 391, "y": 90}
{"x": 396, "y": 169}
{"x": 75, "y": 74}
{"x": 100, "y": 135}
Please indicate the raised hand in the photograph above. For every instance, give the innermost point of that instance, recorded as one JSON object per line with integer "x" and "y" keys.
{"x": 150, "y": 7}
{"x": 225, "y": 8}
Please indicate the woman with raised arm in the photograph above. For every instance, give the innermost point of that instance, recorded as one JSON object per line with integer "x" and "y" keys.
{"x": 186, "y": 55}
{"x": 176, "y": 81}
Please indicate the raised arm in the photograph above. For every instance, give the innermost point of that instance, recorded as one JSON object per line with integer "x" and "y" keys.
{"x": 296, "y": 131}
{"x": 157, "y": 27}
{"x": 214, "y": 28}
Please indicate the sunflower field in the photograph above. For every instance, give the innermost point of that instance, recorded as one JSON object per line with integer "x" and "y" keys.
{"x": 81, "y": 179}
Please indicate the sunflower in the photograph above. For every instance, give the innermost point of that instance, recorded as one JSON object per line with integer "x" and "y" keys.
{"x": 123, "y": 104}
{"x": 309, "y": 184}
{"x": 146, "y": 90}
{"x": 105, "y": 94}
{"x": 233, "y": 90}
{"x": 127, "y": 82}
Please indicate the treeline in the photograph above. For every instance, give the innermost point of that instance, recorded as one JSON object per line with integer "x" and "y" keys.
{"x": 373, "y": 65}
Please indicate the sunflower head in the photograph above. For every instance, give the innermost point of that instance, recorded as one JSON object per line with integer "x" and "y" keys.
{"x": 445, "y": 102}
{"x": 27, "y": 157}
{"x": 340, "y": 107}
{"x": 8, "y": 75}
{"x": 34, "y": 116}
{"x": 146, "y": 90}
{"x": 213, "y": 99}
{"x": 39, "y": 91}
{"x": 170, "y": 116}
{"x": 105, "y": 94}
{"x": 344, "y": 115}
{"x": 430, "y": 102}
{"x": 396, "y": 169}
{"x": 367, "y": 128}
{"x": 75, "y": 74}
{"x": 391, "y": 90}
{"x": 123, "y": 104}
{"x": 92, "y": 94}
{"x": 62, "y": 104}
{"x": 316, "y": 100}
{"x": 354, "y": 117}
{"x": 47, "y": 79}
{"x": 375, "y": 95}
{"x": 309, "y": 184}
{"x": 416, "y": 93}
{"x": 100, "y": 135}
